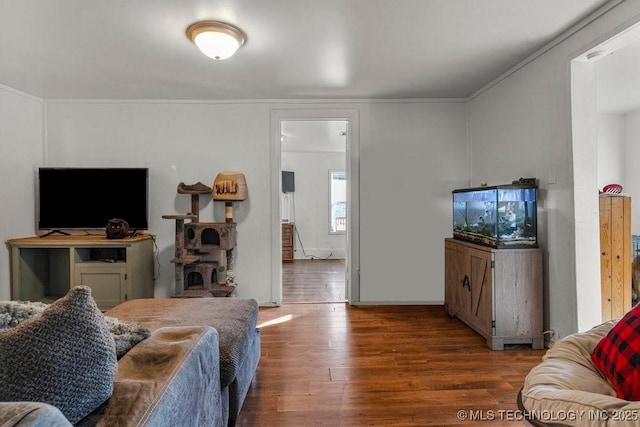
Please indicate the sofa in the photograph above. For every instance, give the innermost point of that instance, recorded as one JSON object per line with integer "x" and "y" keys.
{"x": 567, "y": 389}
{"x": 194, "y": 368}
{"x": 234, "y": 320}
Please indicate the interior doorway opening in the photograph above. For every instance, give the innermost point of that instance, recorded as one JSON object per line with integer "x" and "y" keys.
{"x": 324, "y": 224}
{"x": 605, "y": 112}
{"x": 313, "y": 210}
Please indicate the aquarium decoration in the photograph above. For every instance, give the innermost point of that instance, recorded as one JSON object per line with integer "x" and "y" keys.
{"x": 501, "y": 216}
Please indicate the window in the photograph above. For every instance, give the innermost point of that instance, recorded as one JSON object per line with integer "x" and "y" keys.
{"x": 337, "y": 202}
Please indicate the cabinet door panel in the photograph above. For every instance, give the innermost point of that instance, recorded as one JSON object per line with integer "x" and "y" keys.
{"x": 457, "y": 296}
{"x": 108, "y": 285}
{"x": 481, "y": 288}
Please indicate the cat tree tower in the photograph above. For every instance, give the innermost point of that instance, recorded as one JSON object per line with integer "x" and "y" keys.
{"x": 204, "y": 250}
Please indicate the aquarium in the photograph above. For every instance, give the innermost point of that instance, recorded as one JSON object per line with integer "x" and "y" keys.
{"x": 502, "y": 216}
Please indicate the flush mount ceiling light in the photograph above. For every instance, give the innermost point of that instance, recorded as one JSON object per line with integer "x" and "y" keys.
{"x": 594, "y": 56}
{"x": 217, "y": 40}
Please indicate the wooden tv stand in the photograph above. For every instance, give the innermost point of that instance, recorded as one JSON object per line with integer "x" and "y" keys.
{"x": 45, "y": 268}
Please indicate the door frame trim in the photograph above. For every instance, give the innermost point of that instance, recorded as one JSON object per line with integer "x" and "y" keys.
{"x": 352, "y": 264}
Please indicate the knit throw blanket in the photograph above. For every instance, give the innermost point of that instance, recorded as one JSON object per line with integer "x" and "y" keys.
{"x": 125, "y": 334}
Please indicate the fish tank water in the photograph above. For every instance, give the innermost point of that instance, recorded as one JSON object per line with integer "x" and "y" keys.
{"x": 502, "y": 216}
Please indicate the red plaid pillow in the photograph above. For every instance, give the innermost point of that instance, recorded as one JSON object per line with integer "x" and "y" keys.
{"x": 617, "y": 356}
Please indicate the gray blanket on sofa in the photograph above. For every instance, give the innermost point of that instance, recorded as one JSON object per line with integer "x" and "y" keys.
{"x": 235, "y": 320}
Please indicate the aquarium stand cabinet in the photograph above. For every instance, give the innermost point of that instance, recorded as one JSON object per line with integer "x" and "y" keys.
{"x": 45, "y": 268}
{"x": 496, "y": 292}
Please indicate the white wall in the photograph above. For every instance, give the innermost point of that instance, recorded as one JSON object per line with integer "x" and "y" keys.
{"x": 412, "y": 154}
{"x": 631, "y": 132}
{"x": 611, "y": 150}
{"x": 179, "y": 142}
{"x": 21, "y": 152}
{"x": 585, "y": 195}
{"x": 411, "y": 157}
{"x": 618, "y": 154}
{"x": 310, "y": 203}
{"x": 521, "y": 126}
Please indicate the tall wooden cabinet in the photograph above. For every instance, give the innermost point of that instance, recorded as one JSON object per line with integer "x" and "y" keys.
{"x": 615, "y": 255}
{"x": 288, "y": 231}
{"x": 497, "y": 292}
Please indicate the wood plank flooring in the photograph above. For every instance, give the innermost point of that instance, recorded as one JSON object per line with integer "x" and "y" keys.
{"x": 341, "y": 365}
{"x": 314, "y": 280}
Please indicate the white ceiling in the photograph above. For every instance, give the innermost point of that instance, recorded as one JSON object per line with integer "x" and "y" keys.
{"x": 311, "y": 49}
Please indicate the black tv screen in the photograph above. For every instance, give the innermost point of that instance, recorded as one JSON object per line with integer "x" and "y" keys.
{"x": 288, "y": 182}
{"x": 87, "y": 198}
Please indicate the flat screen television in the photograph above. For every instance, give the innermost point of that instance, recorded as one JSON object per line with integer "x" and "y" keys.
{"x": 288, "y": 182}
{"x": 73, "y": 200}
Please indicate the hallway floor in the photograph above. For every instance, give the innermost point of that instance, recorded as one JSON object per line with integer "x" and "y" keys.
{"x": 313, "y": 281}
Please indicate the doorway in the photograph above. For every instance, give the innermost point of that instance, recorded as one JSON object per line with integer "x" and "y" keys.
{"x": 312, "y": 147}
{"x": 605, "y": 111}
{"x": 313, "y": 210}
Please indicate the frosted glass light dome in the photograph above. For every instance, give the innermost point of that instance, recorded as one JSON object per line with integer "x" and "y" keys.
{"x": 216, "y": 40}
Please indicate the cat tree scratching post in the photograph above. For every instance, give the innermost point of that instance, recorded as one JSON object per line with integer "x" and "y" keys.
{"x": 202, "y": 249}
{"x": 230, "y": 187}
{"x": 180, "y": 259}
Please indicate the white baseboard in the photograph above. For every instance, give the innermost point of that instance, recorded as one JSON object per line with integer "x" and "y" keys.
{"x": 399, "y": 303}
{"x": 319, "y": 253}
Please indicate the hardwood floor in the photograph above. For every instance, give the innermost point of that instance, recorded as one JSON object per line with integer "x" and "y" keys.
{"x": 314, "y": 280}
{"x": 342, "y": 365}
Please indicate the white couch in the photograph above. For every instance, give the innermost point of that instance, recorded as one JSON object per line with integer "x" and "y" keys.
{"x": 566, "y": 389}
